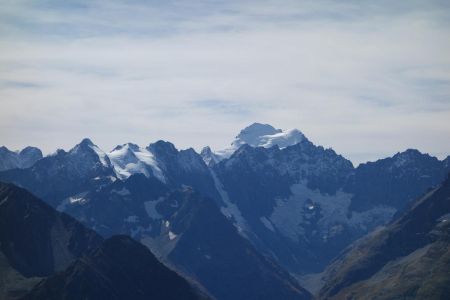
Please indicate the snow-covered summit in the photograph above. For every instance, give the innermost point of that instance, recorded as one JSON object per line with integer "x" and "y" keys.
{"x": 265, "y": 135}
{"x": 129, "y": 159}
{"x": 253, "y": 134}
{"x": 256, "y": 135}
{"x": 124, "y": 160}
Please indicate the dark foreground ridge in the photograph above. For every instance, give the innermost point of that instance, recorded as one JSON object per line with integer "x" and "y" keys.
{"x": 56, "y": 257}
{"x": 120, "y": 268}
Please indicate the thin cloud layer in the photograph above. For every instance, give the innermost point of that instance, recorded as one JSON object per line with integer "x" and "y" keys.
{"x": 367, "y": 79}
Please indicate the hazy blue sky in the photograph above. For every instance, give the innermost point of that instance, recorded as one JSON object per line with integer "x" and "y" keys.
{"x": 368, "y": 78}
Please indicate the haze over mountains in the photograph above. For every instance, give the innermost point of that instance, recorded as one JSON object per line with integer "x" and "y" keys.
{"x": 252, "y": 221}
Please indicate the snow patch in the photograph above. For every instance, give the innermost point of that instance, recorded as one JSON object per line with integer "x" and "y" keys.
{"x": 150, "y": 208}
{"x": 72, "y": 200}
{"x": 130, "y": 159}
{"x": 444, "y": 218}
{"x": 230, "y": 210}
{"x": 291, "y": 215}
{"x": 366, "y": 219}
{"x": 101, "y": 155}
{"x": 172, "y": 235}
{"x": 282, "y": 139}
{"x": 267, "y": 223}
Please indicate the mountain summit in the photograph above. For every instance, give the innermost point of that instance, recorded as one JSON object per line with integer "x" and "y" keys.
{"x": 24, "y": 158}
{"x": 256, "y": 135}
{"x": 265, "y": 135}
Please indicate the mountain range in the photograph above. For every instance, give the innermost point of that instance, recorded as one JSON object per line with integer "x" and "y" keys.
{"x": 256, "y": 220}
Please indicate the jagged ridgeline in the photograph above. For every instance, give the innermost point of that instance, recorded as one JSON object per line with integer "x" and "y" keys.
{"x": 257, "y": 219}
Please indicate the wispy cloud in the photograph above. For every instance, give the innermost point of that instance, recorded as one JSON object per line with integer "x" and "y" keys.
{"x": 224, "y": 107}
{"x": 5, "y": 84}
{"x": 361, "y": 76}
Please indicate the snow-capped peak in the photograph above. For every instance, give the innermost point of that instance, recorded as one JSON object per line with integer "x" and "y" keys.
{"x": 264, "y": 135}
{"x": 252, "y": 134}
{"x": 283, "y": 139}
{"x": 257, "y": 135}
{"x": 131, "y": 159}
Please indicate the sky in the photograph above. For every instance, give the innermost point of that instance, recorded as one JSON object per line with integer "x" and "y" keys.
{"x": 366, "y": 78}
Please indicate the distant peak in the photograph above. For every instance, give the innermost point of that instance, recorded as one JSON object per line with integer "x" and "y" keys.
{"x": 85, "y": 145}
{"x": 259, "y": 129}
{"x": 208, "y": 156}
{"x": 163, "y": 147}
{"x": 265, "y": 135}
{"x": 30, "y": 149}
{"x": 118, "y": 147}
{"x": 131, "y": 146}
{"x": 86, "y": 142}
{"x": 412, "y": 151}
{"x": 410, "y": 156}
{"x": 206, "y": 149}
{"x": 258, "y": 135}
{"x": 409, "y": 153}
{"x": 252, "y": 134}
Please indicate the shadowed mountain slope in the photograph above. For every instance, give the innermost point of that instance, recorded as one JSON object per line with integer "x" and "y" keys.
{"x": 408, "y": 259}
